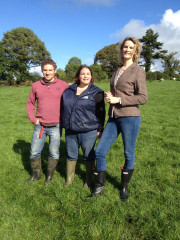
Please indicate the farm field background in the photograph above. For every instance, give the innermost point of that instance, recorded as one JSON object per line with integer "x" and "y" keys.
{"x": 35, "y": 211}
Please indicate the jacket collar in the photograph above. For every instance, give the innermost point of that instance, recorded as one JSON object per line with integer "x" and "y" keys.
{"x": 125, "y": 73}
{"x": 75, "y": 85}
{"x": 44, "y": 83}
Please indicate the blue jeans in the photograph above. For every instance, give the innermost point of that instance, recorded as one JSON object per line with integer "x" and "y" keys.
{"x": 37, "y": 143}
{"x": 85, "y": 140}
{"x": 129, "y": 128}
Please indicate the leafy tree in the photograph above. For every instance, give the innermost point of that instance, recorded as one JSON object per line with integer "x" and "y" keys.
{"x": 75, "y": 61}
{"x": 35, "y": 76}
{"x": 72, "y": 66}
{"x": 9, "y": 68}
{"x": 25, "y": 49}
{"x": 98, "y": 73}
{"x": 151, "y": 48}
{"x": 171, "y": 64}
{"x": 17, "y": 70}
{"x": 61, "y": 74}
{"x": 109, "y": 58}
{"x": 4, "y": 62}
{"x": 162, "y": 75}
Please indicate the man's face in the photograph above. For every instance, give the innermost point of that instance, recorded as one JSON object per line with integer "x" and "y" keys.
{"x": 48, "y": 72}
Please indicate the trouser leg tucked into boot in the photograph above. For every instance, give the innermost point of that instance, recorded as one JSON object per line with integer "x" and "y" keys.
{"x": 99, "y": 179}
{"x": 36, "y": 169}
{"x": 125, "y": 179}
{"x": 90, "y": 165}
{"x": 51, "y": 167}
{"x": 70, "y": 171}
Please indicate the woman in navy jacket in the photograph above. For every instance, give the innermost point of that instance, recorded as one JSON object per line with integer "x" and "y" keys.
{"x": 83, "y": 120}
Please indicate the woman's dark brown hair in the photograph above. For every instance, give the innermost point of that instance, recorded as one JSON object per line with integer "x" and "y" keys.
{"x": 76, "y": 79}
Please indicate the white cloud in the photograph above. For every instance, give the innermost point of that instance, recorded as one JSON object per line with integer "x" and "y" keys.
{"x": 168, "y": 30}
{"x": 36, "y": 70}
{"x": 133, "y": 28}
{"x": 171, "y": 19}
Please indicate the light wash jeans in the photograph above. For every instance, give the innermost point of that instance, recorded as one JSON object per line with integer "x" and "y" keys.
{"x": 129, "y": 128}
{"x": 85, "y": 140}
{"x": 37, "y": 143}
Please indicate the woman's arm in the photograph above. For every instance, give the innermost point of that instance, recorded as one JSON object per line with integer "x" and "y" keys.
{"x": 140, "y": 91}
{"x": 100, "y": 111}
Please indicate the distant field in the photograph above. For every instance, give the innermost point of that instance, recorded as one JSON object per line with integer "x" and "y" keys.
{"x": 35, "y": 211}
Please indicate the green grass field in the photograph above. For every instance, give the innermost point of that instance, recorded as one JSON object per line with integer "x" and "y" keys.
{"x": 35, "y": 211}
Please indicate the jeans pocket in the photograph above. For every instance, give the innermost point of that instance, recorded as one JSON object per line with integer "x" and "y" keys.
{"x": 37, "y": 127}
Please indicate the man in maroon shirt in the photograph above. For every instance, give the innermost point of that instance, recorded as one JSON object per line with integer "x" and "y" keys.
{"x": 47, "y": 94}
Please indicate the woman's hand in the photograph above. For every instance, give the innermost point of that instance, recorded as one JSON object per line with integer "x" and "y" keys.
{"x": 111, "y": 99}
{"x": 99, "y": 134}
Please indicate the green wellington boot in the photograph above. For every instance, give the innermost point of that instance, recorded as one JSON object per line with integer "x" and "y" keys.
{"x": 51, "y": 167}
{"x": 36, "y": 169}
{"x": 70, "y": 171}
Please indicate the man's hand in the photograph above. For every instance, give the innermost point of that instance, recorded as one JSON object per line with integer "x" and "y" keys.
{"x": 37, "y": 122}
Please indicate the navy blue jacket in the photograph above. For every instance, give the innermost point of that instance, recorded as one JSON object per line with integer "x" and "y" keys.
{"x": 79, "y": 112}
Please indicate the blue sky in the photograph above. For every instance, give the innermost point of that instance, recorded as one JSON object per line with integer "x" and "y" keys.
{"x": 82, "y": 27}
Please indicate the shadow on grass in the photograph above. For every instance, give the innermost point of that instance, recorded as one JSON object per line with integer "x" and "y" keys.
{"x": 23, "y": 148}
{"x": 113, "y": 180}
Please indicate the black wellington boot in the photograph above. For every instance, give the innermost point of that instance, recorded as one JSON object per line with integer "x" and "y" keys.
{"x": 125, "y": 179}
{"x": 89, "y": 181}
{"x": 51, "y": 167}
{"x": 36, "y": 169}
{"x": 99, "y": 179}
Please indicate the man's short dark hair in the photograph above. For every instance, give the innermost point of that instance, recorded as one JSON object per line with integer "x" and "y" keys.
{"x": 48, "y": 61}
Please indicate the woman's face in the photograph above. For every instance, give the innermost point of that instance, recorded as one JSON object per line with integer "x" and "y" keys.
{"x": 85, "y": 76}
{"x": 128, "y": 50}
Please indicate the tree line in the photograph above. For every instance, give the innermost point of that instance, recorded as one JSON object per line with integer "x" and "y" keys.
{"x": 21, "y": 49}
